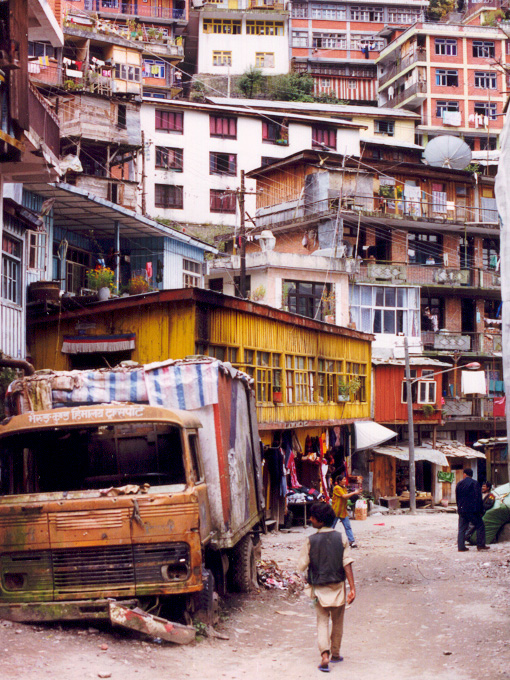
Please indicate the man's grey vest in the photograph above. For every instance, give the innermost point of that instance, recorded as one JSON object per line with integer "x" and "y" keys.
{"x": 326, "y": 558}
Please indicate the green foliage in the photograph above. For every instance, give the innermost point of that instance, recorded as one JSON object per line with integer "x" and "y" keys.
{"x": 493, "y": 18}
{"x": 438, "y": 9}
{"x": 330, "y": 99}
{"x": 428, "y": 410}
{"x": 292, "y": 87}
{"x": 250, "y": 81}
{"x": 7, "y": 375}
{"x": 474, "y": 168}
{"x": 197, "y": 92}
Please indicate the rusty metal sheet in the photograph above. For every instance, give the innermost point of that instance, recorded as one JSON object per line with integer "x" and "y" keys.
{"x": 137, "y": 619}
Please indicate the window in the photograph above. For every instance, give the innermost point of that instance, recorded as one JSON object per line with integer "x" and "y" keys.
{"x": 426, "y": 392}
{"x": 439, "y": 197}
{"x": 329, "y": 12}
{"x": 121, "y": 116}
{"x": 169, "y": 121}
{"x": 490, "y": 254}
{"x": 445, "y": 46}
{"x": 305, "y": 297}
{"x": 447, "y": 78}
{"x": 216, "y": 285}
{"x": 299, "y": 10}
{"x": 77, "y": 263}
{"x": 191, "y": 274}
{"x": 299, "y": 38}
{"x": 330, "y": 380}
{"x": 168, "y": 196}
{"x": 264, "y": 27}
{"x": 36, "y": 250}
{"x": 366, "y": 14}
{"x": 275, "y": 132}
{"x": 414, "y": 388}
{"x": 169, "y": 159}
{"x": 222, "y": 163}
{"x": 299, "y": 379}
{"x": 432, "y": 315}
{"x": 485, "y": 80}
{"x": 237, "y": 286}
{"x": 442, "y": 106}
{"x": 267, "y": 160}
{"x": 486, "y": 109}
{"x": 222, "y": 202}
{"x": 483, "y": 49}
{"x": 41, "y": 49}
{"x": 333, "y": 41}
{"x": 385, "y": 127}
{"x": 323, "y": 137}
{"x": 11, "y": 269}
{"x": 400, "y": 15}
{"x": 221, "y": 58}
{"x": 356, "y": 373}
{"x": 219, "y": 126}
{"x": 490, "y": 144}
{"x": 132, "y": 74}
{"x": 112, "y": 4}
{"x": 425, "y": 248}
{"x": 153, "y": 69}
{"x": 222, "y": 26}
{"x": 264, "y": 59}
{"x": 194, "y": 448}
{"x": 384, "y": 309}
{"x": 268, "y": 375}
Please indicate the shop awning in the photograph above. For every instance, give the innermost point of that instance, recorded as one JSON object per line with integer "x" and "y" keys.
{"x": 369, "y": 434}
{"x": 455, "y": 449}
{"x": 420, "y": 453}
{"x": 87, "y": 344}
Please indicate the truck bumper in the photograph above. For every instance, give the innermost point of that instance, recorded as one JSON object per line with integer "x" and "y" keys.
{"x": 80, "y": 610}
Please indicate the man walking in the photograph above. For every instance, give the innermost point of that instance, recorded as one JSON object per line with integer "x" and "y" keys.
{"x": 470, "y": 508}
{"x": 326, "y": 558}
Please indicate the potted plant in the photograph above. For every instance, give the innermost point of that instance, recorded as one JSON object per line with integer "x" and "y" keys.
{"x": 102, "y": 280}
{"x": 328, "y": 306}
{"x": 428, "y": 410}
{"x": 138, "y": 285}
{"x": 277, "y": 389}
{"x": 348, "y": 388}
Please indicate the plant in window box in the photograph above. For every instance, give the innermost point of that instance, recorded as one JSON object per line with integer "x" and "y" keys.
{"x": 102, "y": 280}
{"x": 328, "y": 301}
{"x": 428, "y": 410}
{"x": 285, "y": 296}
{"x": 387, "y": 191}
{"x": 348, "y": 388}
{"x": 138, "y": 285}
{"x": 277, "y": 388}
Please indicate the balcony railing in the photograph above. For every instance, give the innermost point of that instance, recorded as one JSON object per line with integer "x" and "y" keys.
{"x": 468, "y": 409}
{"x": 487, "y": 342}
{"x": 49, "y": 74}
{"x": 135, "y": 8}
{"x": 438, "y": 210}
{"x": 44, "y": 121}
{"x": 428, "y": 275}
{"x": 417, "y": 55}
{"x": 416, "y": 88}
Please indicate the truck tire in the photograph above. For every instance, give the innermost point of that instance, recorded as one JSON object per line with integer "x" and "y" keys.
{"x": 244, "y": 569}
{"x": 206, "y": 602}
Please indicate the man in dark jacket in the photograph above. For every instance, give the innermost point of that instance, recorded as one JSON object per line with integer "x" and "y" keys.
{"x": 326, "y": 558}
{"x": 470, "y": 508}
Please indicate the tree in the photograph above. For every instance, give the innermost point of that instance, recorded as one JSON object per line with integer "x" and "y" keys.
{"x": 250, "y": 81}
{"x": 438, "y": 9}
{"x": 292, "y": 87}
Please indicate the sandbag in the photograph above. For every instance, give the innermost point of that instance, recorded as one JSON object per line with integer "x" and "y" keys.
{"x": 493, "y": 520}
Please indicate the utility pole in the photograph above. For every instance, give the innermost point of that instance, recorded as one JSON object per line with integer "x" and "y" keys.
{"x": 242, "y": 273}
{"x": 410, "y": 428}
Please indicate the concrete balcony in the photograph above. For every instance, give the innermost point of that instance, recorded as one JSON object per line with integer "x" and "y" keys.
{"x": 488, "y": 342}
{"x": 417, "y": 90}
{"x": 401, "y": 64}
{"x": 274, "y": 259}
{"x": 135, "y": 9}
{"x": 461, "y": 408}
{"x": 428, "y": 275}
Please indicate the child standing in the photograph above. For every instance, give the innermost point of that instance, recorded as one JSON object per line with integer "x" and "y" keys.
{"x": 339, "y": 503}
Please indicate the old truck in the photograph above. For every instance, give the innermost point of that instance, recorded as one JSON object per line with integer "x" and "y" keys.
{"x": 139, "y": 485}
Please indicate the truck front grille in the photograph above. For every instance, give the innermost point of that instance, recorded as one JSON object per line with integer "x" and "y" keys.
{"x": 91, "y": 568}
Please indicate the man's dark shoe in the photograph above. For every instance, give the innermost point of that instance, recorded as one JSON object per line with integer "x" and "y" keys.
{"x": 483, "y": 547}
{"x": 463, "y": 549}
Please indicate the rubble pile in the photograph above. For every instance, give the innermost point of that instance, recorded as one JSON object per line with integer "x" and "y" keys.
{"x": 271, "y": 576}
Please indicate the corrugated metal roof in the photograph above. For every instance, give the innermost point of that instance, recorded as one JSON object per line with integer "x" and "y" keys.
{"x": 454, "y": 448}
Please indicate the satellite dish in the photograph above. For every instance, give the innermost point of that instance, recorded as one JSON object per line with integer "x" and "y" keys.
{"x": 447, "y": 151}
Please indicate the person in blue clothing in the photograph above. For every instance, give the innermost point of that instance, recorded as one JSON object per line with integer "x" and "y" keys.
{"x": 468, "y": 495}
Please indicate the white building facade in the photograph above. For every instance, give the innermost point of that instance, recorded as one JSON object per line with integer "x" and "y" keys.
{"x": 194, "y": 154}
{"x": 233, "y": 37}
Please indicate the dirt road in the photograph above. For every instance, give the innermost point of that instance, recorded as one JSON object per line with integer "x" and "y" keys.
{"x": 423, "y": 612}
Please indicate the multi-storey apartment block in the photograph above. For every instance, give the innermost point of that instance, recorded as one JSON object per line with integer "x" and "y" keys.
{"x": 453, "y": 75}
{"x": 338, "y": 42}
{"x": 235, "y": 35}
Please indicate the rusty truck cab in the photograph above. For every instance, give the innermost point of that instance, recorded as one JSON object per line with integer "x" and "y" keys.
{"x": 98, "y": 502}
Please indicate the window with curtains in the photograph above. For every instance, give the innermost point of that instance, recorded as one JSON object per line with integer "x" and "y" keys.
{"x": 264, "y": 59}
{"x": 222, "y": 58}
{"x": 169, "y": 159}
{"x": 222, "y": 202}
{"x": 221, "y": 126}
{"x": 385, "y": 309}
{"x": 323, "y": 137}
{"x": 357, "y": 372}
{"x": 169, "y": 121}
{"x": 275, "y": 132}
{"x": 438, "y": 197}
{"x": 153, "y": 69}
{"x": 168, "y": 196}
{"x": 486, "y": 80}
{"x": 222, "y": 163}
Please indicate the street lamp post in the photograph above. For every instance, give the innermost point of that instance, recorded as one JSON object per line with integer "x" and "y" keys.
{"x": 473, "y": 366}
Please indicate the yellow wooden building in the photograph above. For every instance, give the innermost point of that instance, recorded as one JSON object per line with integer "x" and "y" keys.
{"x": 310, "y": 377}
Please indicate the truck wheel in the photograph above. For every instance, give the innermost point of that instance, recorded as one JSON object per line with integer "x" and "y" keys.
{"x": 244, "y": 569}
{"x": 206, "y": 602}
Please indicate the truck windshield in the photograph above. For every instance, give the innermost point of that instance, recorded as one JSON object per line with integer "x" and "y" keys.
{"x": 67, "y": 459}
